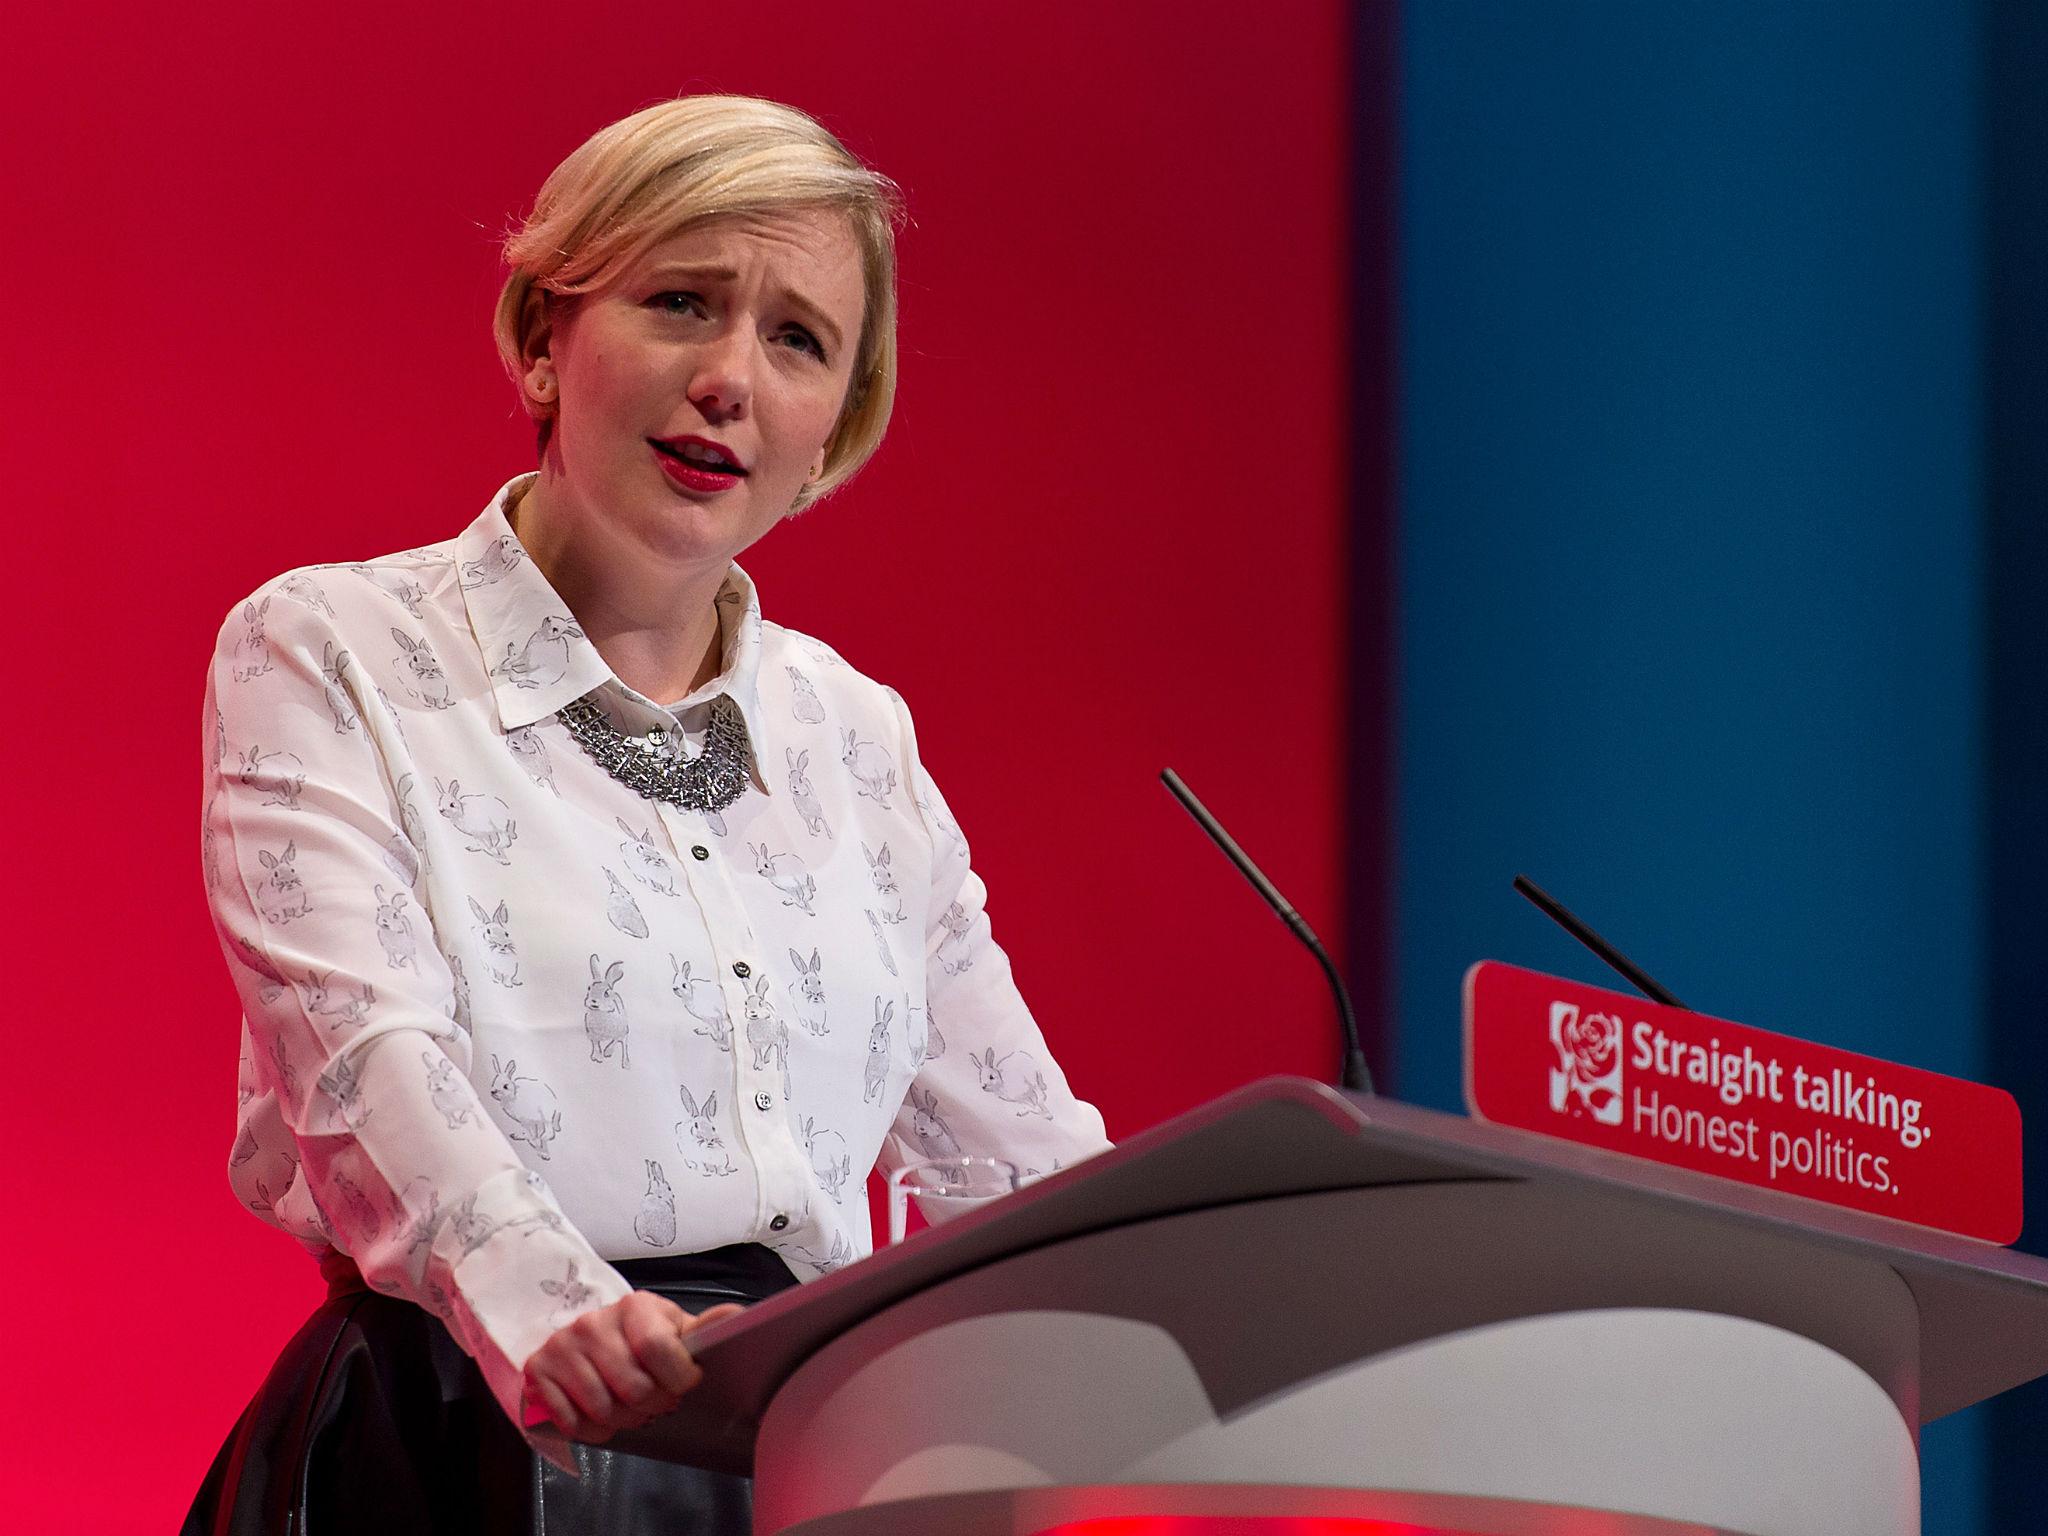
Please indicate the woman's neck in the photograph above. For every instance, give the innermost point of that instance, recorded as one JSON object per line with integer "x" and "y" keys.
{"x": 657, "y": 629}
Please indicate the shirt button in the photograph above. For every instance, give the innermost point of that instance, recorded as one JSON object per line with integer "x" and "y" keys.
{"x": 699, "y": 851}
{"x": 778, "y": 1223}
{"x": 762, "y": 1101}
{"x": 741, "y": 969}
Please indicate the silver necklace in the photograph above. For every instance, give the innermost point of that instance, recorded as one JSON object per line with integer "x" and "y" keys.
{"x": 653, "y": 766}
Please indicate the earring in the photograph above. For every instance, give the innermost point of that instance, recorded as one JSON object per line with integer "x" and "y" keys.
{"x": 543, "y": 387}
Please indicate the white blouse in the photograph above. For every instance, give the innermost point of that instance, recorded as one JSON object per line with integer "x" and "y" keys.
{"x": 505, "y": 1020}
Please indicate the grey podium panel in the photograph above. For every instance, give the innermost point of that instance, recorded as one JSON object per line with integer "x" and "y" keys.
{"x": 1983, "y": 1311}
{"x": 1371, "y": 1339}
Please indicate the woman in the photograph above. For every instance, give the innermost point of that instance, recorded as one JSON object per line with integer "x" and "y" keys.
{"x": 592, "y": 930}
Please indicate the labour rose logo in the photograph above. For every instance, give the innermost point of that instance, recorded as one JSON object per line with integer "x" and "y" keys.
{"x": 1587, "y": 1077}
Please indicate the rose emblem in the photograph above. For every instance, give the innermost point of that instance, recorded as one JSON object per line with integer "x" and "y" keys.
{"x": 1594, "y": 1041}
{"x": 1587, "y": 1077}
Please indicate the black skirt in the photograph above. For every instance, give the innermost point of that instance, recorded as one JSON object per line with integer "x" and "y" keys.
{"x": 374, "y": 1420}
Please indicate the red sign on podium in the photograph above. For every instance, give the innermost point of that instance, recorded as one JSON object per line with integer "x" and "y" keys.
{"x": 1612, "y": 1070}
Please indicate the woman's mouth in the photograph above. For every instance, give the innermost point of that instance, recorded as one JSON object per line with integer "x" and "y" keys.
{"x": 697, "y": 464}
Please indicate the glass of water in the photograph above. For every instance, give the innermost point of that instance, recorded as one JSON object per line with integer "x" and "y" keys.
{"x": 971, "y": 1181}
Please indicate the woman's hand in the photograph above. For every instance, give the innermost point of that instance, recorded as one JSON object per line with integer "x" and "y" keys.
{"x": 616, "y": 1368}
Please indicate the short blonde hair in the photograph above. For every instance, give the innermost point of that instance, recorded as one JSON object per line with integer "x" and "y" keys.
{"x": 647, "y": 177}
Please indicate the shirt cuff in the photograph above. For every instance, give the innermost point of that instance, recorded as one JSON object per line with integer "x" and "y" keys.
{"x": 517, "y": 1273}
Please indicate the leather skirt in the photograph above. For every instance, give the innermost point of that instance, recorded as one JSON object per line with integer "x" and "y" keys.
{"x": 374, "y": 1420}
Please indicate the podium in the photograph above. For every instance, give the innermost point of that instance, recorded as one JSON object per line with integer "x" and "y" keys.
{"x": 1295, "y": 1301}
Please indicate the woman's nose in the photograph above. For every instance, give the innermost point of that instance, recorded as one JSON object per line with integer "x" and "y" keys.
{"x": 722, "y": 383}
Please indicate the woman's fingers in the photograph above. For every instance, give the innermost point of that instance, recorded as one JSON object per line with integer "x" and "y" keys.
{"x": 723, "y": 1310}
{"x": 657, "y": 1331}
{"x": 618, "y": 1367}
{"x": 560, "y": 1411}
{"x": 628, "y": 1383}
{"x": 574, "y": 1372}
{"x": 655, "y": 1335}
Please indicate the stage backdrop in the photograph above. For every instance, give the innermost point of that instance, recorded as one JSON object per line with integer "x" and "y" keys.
{"x": 1694, "y": 566}
{"x": 249, "y": 272}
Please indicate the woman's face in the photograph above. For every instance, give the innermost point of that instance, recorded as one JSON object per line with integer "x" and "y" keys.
{"x": 696, "y": 392}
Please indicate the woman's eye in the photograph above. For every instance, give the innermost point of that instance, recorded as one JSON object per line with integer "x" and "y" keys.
{"x": 678, "y": 303}
{"x": 805, "y": 341}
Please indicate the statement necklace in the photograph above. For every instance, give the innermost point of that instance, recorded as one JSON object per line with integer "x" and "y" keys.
{"x": 653, "y": 766}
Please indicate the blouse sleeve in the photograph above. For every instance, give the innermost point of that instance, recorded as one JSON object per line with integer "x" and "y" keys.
{"x": 988, "y": 1083}
{"x": 351, "y": 1017}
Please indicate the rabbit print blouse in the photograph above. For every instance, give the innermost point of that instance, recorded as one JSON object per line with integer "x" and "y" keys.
{"x": 505, "y": 1020}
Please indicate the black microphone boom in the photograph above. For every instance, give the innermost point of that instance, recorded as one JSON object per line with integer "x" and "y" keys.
{"x": 1556, "y": 911}
{"x": 1356, "y": 1075}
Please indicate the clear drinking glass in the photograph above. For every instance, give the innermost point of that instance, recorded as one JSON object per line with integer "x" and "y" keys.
{"x": 969, "y": 1180}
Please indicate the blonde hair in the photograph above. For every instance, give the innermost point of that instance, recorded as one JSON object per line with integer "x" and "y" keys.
{"x": 640, "y": 181}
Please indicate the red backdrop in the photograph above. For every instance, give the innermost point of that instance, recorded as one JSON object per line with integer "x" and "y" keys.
{"x": 249, "y": 265}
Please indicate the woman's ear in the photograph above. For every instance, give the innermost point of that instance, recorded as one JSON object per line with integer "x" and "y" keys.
{"x": 537, "y": 337}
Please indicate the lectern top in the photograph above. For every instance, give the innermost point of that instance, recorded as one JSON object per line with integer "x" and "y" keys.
{"x": 1983, "y": 1310}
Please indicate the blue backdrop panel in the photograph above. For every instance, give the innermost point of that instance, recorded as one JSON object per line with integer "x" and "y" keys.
{"x": 2016, "y": 679}
{"x": 1690, "y": 554}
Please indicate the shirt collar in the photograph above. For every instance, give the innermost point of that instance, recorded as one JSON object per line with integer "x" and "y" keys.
{"x": 538, "y": 656}
{"x": 739, "y": 668}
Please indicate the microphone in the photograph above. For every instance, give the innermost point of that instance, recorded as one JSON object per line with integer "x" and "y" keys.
{"x": 1356, "y": 1075}
{"x": 1555, "y": 910}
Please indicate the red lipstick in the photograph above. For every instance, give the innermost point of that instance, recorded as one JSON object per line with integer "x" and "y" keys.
{"x": 713, "y": 466}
